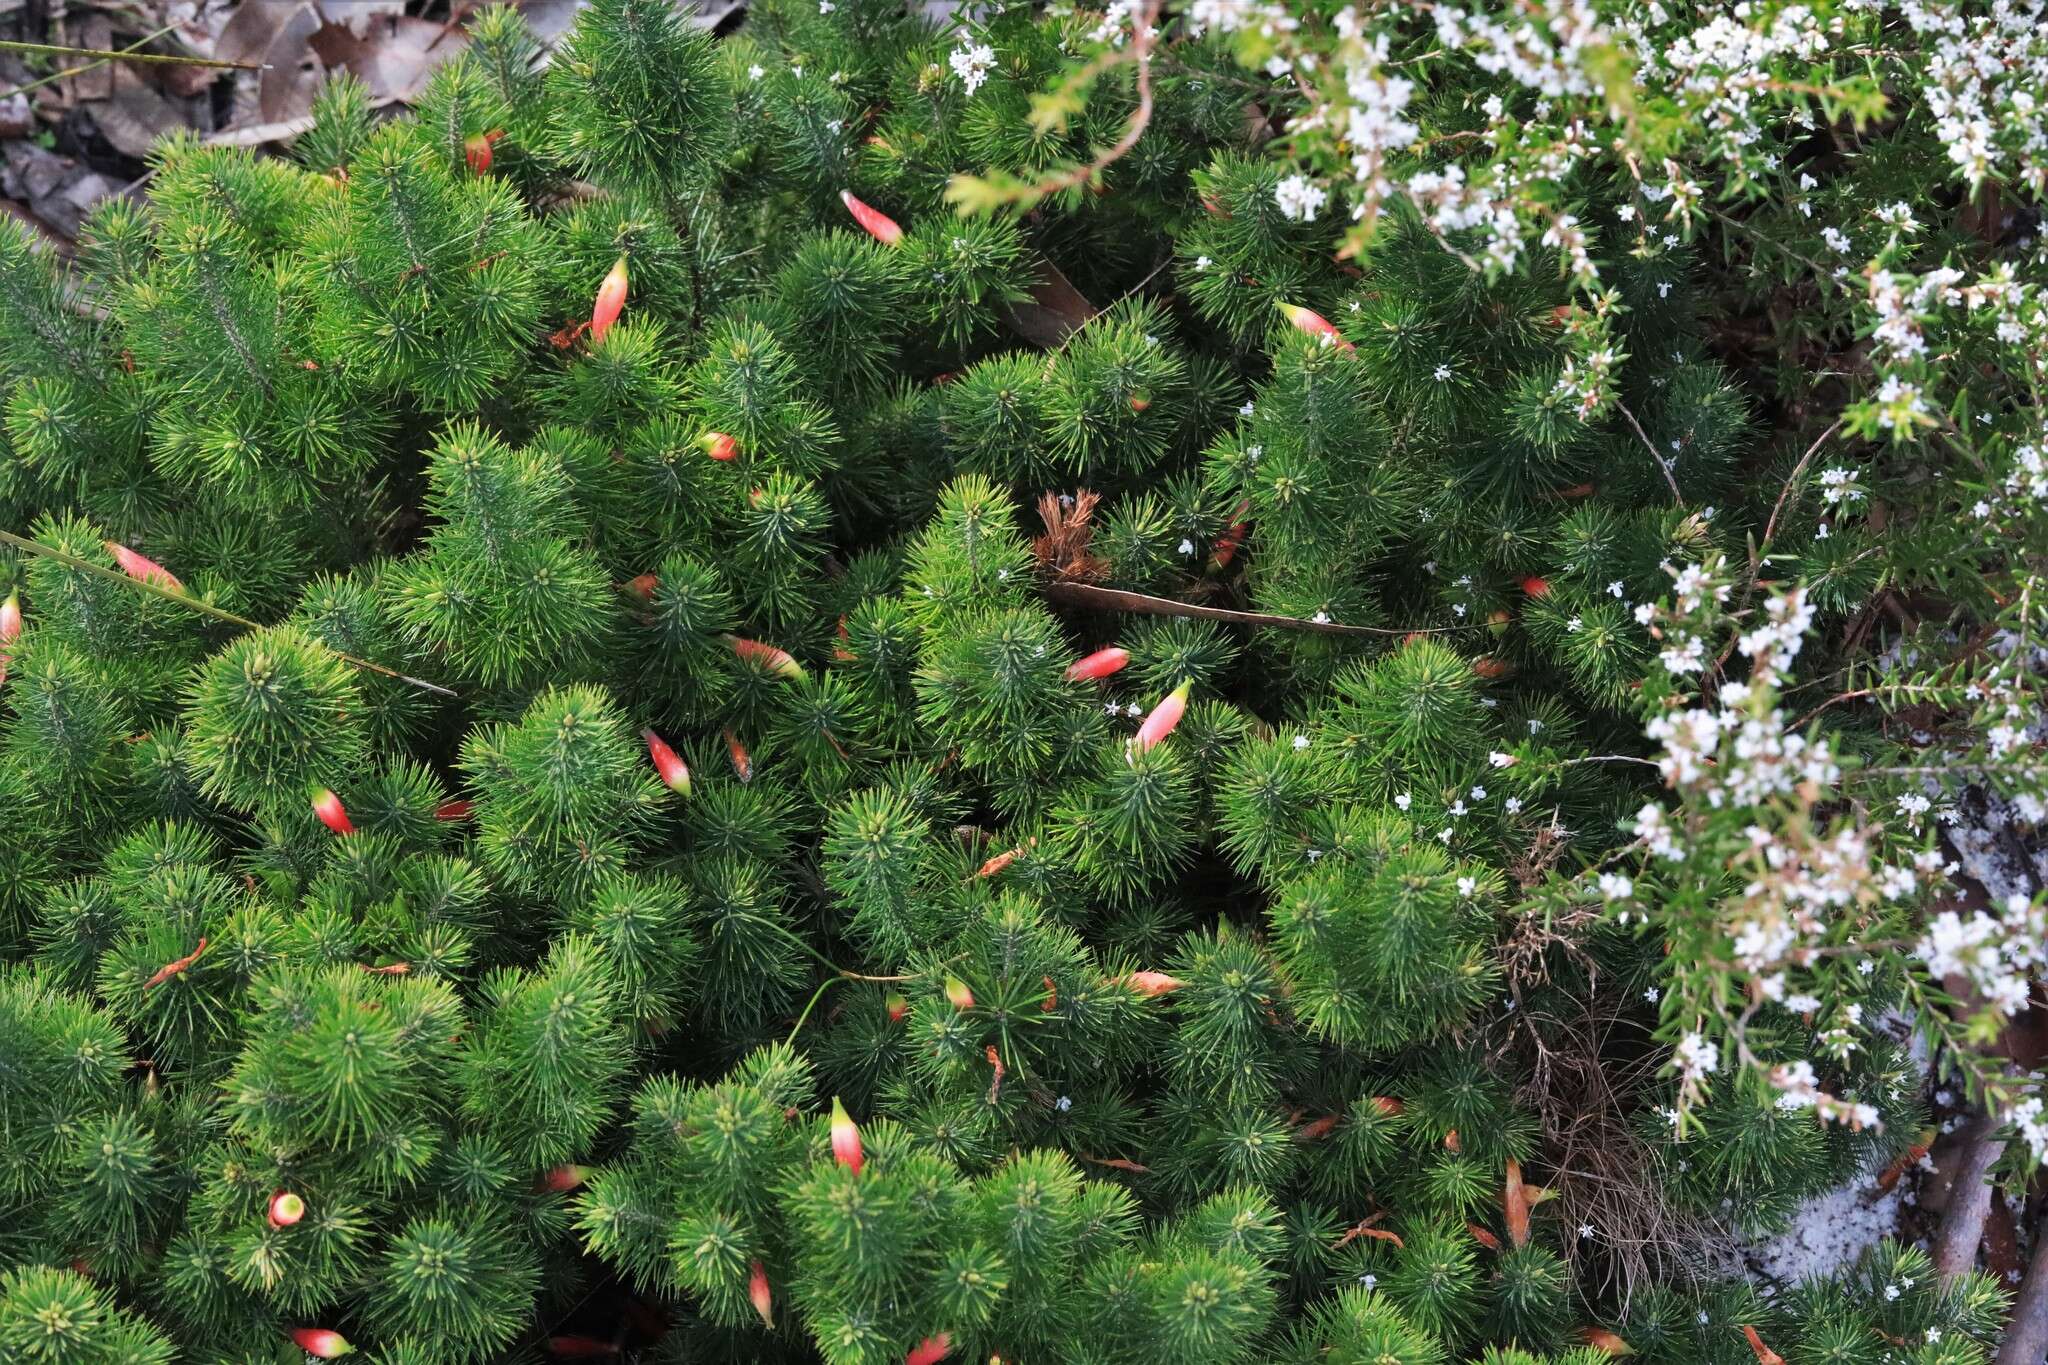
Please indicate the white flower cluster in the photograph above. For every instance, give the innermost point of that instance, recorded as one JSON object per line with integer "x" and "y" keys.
{"x": 1300, "y": 198}
{"x": 972, "y": 65}
{"x": 1995, "y": 956}
{"x": 2030, "y": 1117}
{"x": 1982, "y": 77}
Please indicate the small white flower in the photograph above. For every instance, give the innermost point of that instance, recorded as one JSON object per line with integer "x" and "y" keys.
{"x": 1513, "y": 804}
{"x": 1479, "y": 793}
{"x": 1441, "y": 373}
{"x": 1404, "y": 800}
{"x": 1616, "y": 588}
{"x": 1245, "y": 410}
{"x": 1134, "y": 710}
{"x": 1063, "y": 1104}
{"x": 1321, "y": 618}
{"x": 1202, "y": 262}
{"x": 1574, "y": 625}
{"x": 1467, "y": 885}
{"x": 1891, "y": 1292}
{"x": 1615, "y": 887}
{"x": 755, "y": 73}
{"x": 1501, "y": 760}
{"x": 1653, "y": 995}
{"x": 826, "y": 6}
{"x": 1187, "y": 547}
{"x": 1933, "y": 1334}
{"x": 1301, "y": 741}
{"x": 1369, "y": 1281}
{"x": 1585, "y": 1231}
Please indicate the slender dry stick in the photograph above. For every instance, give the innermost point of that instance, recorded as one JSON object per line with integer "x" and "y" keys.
{"x": 2026, "y": 1331}
{"x": 1144, "y": 604}
{"x": 37, "y": 548}
{"x": 126, "y": 54}
{"x": 1969, "y": 1199}
{"x": 1644, "y": 437}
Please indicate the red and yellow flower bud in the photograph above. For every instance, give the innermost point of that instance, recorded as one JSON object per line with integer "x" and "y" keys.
{"x": 322, "y": 1342}
{"x": 286, "y": 1209}
{"x": 931, "y": 1350}
{"x": 719, "y": 446}
{"x": 476, "y": 150}
{"x": 674, "y": 774}
{"x": 845, "y": 1138}
{"x": 611, "y": 297}
{"x": 142, "y": 568}
{"x": 561, "y": 1179}
{"x": 328, "y": 807}
{"x": 742, "y": 761}
{"x": 760, "y": 1295}
{"x": 958, "y": 995}
{"x": 1164, "y": 717}
{"x": 776, "y": 661}
{"x": 1315, "y": 324}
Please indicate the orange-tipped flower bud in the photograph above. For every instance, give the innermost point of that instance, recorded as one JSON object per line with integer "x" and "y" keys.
{"x": 328, "y": 807}
{"x": 675, "y": 775}
{"x": 931, "y": 1350}
{"x": 1100, "y": 664}
{"x": 760, "y": 1296}
{"x": 641, "y": 586}
{"x": 1230, "y": 541}
{"x": 876, "y": 224}
{"x": 611, "y": 297}
{"x": 897, "y": 1007}
{"x": 1535, "y": 586}
{"x": 845, "y": 1138}
{"x": 958, "y": 995}
{"x": 719, "y": 446}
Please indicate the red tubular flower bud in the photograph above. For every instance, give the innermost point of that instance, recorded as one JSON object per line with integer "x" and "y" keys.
{"x": 476, "y": 150}
{"x": 581, "y": 1348}
{"x": 286, "y": 1209}
{"x": 931, "y": 1350}
{"x": 322, "y": 1342}
{"x": 10, "y": 619}
{"x": 641, "y": 586}
{"x": 1535, "y": 586}
{"x": 845, "y": 1138}
{"x": 1164, "y": 718}
{"x": 719, "y": 446}
{"x": 142, "y": 568}
{"x": 561, "y": 1179}
{"x": 1100, "y": 664}
{"x": 611, "y": 297}
{"x": 776, "y": 661}
{"x": 760, "y": 1296}
{"x": 1315, "y": 324}
{"x": 1228, "y": 543}
{"x": 958, "y": 995}
{"x": 897, "y": 1007}
{"x": 328, "y": 807}
{"x": 454, "y": 811}
{"x": 876, "y": 224}
{"x": 675, "y": 775}
{"x": 742, "y": 761}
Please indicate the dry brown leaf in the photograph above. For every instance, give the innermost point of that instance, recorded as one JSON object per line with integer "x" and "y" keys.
{"x": 393, "y": 54}
{"x": 1515, "y": 1205}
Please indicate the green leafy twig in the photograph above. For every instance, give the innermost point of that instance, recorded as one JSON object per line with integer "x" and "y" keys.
{"x": 72, "y": 561}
